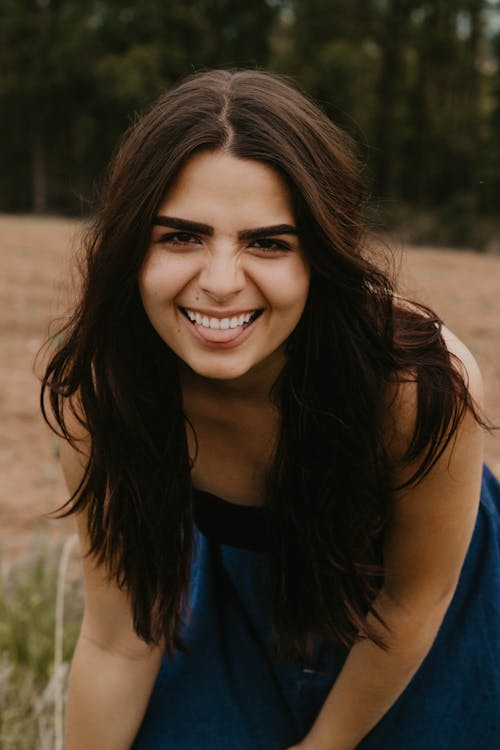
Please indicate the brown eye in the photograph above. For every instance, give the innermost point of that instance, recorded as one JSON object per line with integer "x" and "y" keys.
{"x": 179, "y": 238}
{"x": 270, "y": 245}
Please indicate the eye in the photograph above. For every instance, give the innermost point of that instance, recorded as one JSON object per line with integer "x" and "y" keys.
{"x": 179, "y": 238}
{"x": 270, "y": 245}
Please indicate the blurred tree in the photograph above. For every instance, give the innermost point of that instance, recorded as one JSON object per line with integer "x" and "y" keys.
{"x": 443, "y": 129}
{"x": 73, "y": 72}
{"x": 416, "y": 81}
{"x": 392, "y": 30}
{"x": 335, "y": 58}
{"x": 45, "y": 87}
{"x": 490, "y": 165}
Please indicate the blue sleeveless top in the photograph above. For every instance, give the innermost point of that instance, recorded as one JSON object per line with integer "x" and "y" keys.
{"x": 231, "y": 693}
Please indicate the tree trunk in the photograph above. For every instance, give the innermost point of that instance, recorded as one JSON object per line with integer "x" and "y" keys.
{"x": 392, "y": 44}
{"x": 474, "y": 92}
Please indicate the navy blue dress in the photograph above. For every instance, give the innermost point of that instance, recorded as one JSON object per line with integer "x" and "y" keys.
{"x": 230, "y": 692}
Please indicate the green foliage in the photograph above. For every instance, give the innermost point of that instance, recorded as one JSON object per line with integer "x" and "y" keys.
{"x": 72, "y": 74}
{"x": 417, "y": 83}
{"x": 421, "y": 83}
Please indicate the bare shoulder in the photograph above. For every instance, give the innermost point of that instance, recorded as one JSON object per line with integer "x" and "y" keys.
{"x": 107, "y": 621}
{"x": 467, "y": 364}
{"x": 432, "y": 521}
{"x": 74, "y": 455}
{"x": 74, "y": 461}
{"x": 403, "y": 396}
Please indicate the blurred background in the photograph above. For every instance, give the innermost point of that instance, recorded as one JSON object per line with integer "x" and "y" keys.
{"x": 418, "y": 86}
{"x": 417, "y": 83}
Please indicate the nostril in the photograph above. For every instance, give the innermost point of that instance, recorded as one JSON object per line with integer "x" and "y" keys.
{"x": 221, "y": 280}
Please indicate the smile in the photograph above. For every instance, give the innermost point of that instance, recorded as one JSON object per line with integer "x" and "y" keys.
{"x": 221, "y": 324}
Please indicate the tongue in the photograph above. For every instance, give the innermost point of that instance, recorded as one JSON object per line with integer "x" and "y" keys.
{"x": 216, "y": 335}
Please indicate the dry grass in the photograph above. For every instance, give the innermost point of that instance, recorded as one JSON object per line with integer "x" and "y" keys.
{"x": 29, "y": 683}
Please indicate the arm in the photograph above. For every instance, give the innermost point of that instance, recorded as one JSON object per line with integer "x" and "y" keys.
{"x": 113, "y": 671}
{"x": 431, "y": 528}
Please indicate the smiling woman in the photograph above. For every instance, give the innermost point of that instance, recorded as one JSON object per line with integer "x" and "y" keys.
{"x": 274, "y": 460}
{"x": 226, "y": 291}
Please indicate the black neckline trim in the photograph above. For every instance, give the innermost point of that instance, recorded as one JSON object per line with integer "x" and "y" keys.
{"x": 242, "y": 526}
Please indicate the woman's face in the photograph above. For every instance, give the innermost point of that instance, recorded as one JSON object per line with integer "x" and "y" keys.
{"x": 224, "y": 281}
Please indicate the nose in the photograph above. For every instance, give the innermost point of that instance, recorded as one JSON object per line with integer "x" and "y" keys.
{"x": 221, "y": 277}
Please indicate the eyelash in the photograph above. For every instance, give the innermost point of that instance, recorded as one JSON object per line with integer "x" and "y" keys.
{"x": 276, "y": 245}
{"x": 175, "y": 238}
{"x": 186, "y": 238}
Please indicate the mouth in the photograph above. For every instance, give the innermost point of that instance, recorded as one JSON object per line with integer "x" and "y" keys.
{"x": 243, "y": 320}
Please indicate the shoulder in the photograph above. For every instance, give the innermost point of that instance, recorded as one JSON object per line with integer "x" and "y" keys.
{"x": 108, "y": 619}
{"x": 403, "y": 402}
{"x": 432, "y": 517}
{"x": 464, "y": 361}
{"x": 74, "y": 453}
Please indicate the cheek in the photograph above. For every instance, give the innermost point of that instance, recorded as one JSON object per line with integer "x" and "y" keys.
{"x": 150, "y": 291}
{"x": 290, "y": 291}
{"x": 160, "y": 280}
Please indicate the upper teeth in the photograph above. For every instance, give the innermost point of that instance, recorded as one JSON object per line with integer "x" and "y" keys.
{"x": 218, "y": 323}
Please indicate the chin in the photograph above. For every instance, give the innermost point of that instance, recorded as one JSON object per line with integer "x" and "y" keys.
{"x": 220, "y": 372}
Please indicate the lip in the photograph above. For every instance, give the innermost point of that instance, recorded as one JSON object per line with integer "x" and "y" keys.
{"x": 211, "y": 342}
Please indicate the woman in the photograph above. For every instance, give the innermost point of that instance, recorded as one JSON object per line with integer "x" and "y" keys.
{"x": 275, "y": 462}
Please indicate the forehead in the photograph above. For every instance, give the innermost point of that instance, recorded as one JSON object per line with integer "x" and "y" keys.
{"x": 217, "y": 187}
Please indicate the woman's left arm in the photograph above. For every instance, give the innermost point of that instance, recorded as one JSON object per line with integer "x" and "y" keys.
{"x": 430, "y": 531}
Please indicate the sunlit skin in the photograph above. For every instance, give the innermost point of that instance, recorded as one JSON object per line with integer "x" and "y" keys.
{"x": 224, "y": 243}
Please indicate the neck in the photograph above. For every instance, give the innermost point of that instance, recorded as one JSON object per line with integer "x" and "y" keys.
{"x": 254, "y": 386}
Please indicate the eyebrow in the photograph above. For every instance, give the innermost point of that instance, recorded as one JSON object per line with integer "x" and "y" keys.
{"x": 247, "y": 234}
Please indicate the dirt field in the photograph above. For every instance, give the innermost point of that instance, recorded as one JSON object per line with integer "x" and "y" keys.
{"x": 463, "y": 287}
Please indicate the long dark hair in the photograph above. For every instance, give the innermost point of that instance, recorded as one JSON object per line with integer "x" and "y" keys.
{"x": 329, "y": 487}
